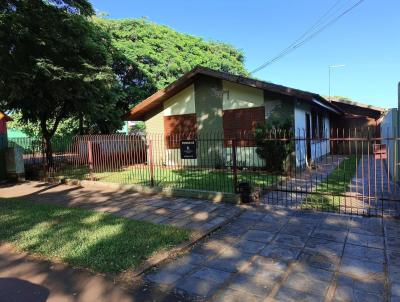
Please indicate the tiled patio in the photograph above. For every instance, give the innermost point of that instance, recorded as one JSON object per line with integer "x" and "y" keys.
{"x": 291, "y": 256}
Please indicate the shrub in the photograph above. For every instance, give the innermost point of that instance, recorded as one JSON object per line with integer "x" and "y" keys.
{"x": 271, "y": 145}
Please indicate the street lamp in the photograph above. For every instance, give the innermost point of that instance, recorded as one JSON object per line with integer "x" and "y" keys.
{"x": 330, "y": 68}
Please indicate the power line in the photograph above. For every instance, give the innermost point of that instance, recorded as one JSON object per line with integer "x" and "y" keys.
{"x": 300, "y": 41}
{"x": 316, "y": 24}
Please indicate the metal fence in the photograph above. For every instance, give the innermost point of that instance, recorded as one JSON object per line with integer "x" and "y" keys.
{"x": 349, "y": 171}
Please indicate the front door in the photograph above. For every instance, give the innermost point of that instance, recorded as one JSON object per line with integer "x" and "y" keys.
{"x": 308, "y": 138}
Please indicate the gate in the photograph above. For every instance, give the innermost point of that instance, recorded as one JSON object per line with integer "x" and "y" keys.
{"x": 352, "y": 174}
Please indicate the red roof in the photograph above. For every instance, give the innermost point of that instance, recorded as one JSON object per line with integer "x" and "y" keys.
{"x": 5, "y": 117}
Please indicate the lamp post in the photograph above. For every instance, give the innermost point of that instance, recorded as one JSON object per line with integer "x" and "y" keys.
{"x": 330, "y": 68}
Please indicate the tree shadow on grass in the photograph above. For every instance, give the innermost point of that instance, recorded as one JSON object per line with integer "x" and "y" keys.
{"x": 98, "y": 241}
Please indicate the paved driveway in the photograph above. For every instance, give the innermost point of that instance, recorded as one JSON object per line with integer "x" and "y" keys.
{"x": 291, "y": 256}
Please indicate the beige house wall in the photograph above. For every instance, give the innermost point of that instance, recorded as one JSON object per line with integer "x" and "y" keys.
{"x": 236, "y": 96}
{"x": 155, "y": 133}
{"x": 181, "y": 103}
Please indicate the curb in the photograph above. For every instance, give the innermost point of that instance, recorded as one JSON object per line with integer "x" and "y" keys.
{"x": 166, "y": 192}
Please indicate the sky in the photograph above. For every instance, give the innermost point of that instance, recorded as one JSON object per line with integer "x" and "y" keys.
{"x": 363, "y": 40}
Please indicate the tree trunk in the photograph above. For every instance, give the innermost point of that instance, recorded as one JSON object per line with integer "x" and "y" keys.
{"x": 48, "y": 151}
{"x": 47, "y": 148}
{"x": 47, "y": 136}
{"x": 81, "y": 124}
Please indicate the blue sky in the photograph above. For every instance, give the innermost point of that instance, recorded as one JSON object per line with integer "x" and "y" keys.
{"x": 366, "y": 40}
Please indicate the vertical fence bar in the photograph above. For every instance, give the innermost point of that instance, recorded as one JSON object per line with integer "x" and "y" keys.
{"x": 151, "y": 163}
{"x": 234, "y": 165}
{"x": 90, "y": 159}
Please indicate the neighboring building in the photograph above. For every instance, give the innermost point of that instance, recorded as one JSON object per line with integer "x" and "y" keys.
{"x": 3, "y": 123}
{"x": 3, "y": 143}
{"x": 389, "y": 131}
{"x": 217, "y": 106}
{"x": 357, "y": 115}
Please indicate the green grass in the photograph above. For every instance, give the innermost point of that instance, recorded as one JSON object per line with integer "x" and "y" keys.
{"x": 97, "y": 241}
{"x": 190, "y": 178}
{"x": 327, "y": 195}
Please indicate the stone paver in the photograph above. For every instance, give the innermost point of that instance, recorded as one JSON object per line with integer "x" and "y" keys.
{"x": 327, "y": 258}
{"x": 260, "y": 255}
{"x": 198, "y": 215}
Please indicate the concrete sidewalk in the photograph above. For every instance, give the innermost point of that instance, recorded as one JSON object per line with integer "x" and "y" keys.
{"x": 197, "y": 215}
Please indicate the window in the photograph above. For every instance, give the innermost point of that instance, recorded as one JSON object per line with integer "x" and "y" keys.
{"x": 240, "y": 124}
{"x": 179, "y": 127}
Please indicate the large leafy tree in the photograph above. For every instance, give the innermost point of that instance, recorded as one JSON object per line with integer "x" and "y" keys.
{"x": 55, "y": 64}
{"x": 151, "y": 56}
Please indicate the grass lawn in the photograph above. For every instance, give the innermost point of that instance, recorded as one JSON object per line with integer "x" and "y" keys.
{"x": 190, "y": 178}
{"x": 98, "y": 241}
{"x": 327, "y": 193}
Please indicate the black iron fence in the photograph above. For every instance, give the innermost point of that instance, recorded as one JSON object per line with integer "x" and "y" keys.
{"x": 341, "y": 171}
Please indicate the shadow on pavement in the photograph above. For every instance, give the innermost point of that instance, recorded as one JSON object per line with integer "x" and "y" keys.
{"x": 14, "y": 289}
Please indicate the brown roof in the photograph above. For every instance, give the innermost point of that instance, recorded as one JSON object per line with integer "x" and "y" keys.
{"x": 5, "y": 117}
{"x": 352, "y": 108}
{"x": 155, "y": 100}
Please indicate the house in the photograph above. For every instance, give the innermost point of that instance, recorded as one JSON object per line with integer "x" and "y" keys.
{"x": 3, "y": 143}
{"x": 214, "y": 107}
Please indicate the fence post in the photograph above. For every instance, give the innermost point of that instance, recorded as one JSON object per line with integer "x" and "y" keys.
{"x": 44, "y": 160}
{"x": 90, "y": 159}
{"x": 234, "y": 165}
{"x": 151, "y": 164}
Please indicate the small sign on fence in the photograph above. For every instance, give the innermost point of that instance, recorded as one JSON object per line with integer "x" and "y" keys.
{"x": 188, "y": 149}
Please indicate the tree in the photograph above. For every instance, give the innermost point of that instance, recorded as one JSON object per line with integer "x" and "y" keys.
{"x": 152, "y": 56}
{"x": 55, "y": 64}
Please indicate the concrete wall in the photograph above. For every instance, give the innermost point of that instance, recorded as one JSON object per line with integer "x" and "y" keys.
{"x": 278, "y": 108}
{"x": 209, "y": 103}
{"x": 155, "y": 129}
{"x": 236, "y": 96}
{"x": 181, "y": 103}
{"x": 389, "y": 131}
{"x": 245, "y": 157}
{"x": 318, "y": 147}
